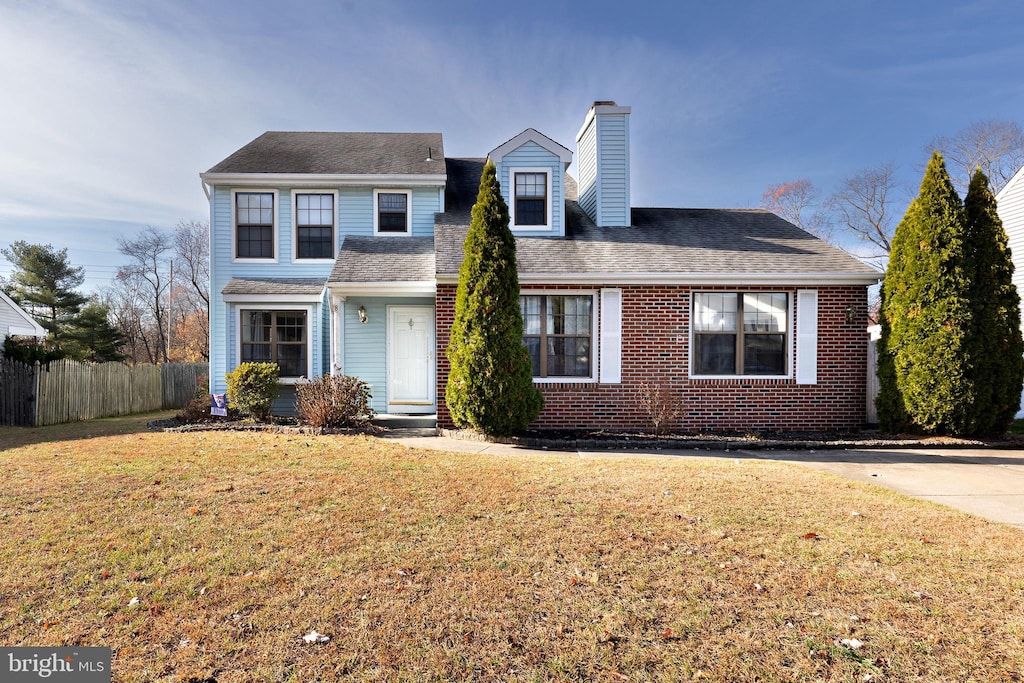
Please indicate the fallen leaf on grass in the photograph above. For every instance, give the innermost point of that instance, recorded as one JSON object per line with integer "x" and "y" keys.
{"x": 811, "y": 535}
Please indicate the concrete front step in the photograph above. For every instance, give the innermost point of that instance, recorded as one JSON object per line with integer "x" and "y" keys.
{"x": 393, "y": 422}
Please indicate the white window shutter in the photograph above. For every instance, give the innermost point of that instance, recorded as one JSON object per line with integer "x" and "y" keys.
{"x": 807, "y": 336}
{"x": 611, "y": 336}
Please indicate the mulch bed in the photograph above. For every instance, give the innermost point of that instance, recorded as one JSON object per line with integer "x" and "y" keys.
{"x": 584, "y": 439}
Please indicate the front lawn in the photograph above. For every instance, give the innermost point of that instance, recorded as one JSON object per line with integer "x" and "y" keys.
{"x": 208, "y": 556}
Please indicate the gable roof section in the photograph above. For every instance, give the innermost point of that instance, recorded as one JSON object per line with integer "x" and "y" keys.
{"x": 530, "y": 135}
{"x": 312, "y": 153}
{"x": 30, "y": 328}
{"x": 686, "y": 246}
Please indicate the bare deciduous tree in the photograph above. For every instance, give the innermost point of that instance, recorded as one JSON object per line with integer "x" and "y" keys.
{"x": 191, "y": 302}
{"x": 994, "y": 146}
{"x": 797, "y": 202}
{"x": 131, "y": 319}
{"x": 148, "y": 276}
{"x": 864, "y": 207}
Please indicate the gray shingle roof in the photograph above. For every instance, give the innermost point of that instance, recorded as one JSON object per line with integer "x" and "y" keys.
{"x": 273, "y": 285}
{"x": 659, "y": 241}
{"x": 338, "y": 154}
{"x": 384, "y": 259}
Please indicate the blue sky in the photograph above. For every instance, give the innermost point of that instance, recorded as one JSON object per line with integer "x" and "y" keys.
{"x": 112, "y": 109}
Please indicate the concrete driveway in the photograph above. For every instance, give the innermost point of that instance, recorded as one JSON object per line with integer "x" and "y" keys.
{"x": 983, "y": 482}
{"x": 987, "y": 483}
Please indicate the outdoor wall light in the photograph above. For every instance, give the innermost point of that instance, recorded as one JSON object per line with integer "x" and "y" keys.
{"x": 362, "y": 314}
{"x": 851, "y": 314}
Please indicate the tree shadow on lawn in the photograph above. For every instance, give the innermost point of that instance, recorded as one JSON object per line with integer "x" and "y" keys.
{"x": 16, "y": 437}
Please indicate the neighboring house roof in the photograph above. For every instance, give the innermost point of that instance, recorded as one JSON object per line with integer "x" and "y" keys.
{"x": 384, "y": 259}
{"x": 684, "y": 245}
{"x": 17, "y": 321}
{"x": 240, "y": 288}
{"x": 1008, "y": 187}
{"x": 277, "y": 152}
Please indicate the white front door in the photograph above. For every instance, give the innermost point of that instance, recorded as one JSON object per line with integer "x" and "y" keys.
{"x": 411, "y": 375}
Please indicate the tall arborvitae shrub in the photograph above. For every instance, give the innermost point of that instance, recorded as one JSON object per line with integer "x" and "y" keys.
{"x": 995, "y": 338}
{"x": 490, "y": 384}
{"x": 924, "y": 367}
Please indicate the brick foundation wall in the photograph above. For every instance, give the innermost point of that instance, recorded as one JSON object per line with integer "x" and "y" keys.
{"x": 655, "y": 349}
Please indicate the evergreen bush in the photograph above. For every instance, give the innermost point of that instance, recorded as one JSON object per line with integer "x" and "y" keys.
{"x": 994, "y": 341}
{"x": 951, "y": 356}
{"x": 252, "y": 388}
{"x": 490, "y": 384}
{"x": 924, "y": 366}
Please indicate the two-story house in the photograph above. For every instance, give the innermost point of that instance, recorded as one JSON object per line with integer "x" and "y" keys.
{"x": 340, "y": 252}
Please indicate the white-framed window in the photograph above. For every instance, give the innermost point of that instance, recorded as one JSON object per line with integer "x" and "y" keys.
{"x": 276, "y": 335}
{"x": 531, "y": 198}
{"x": 254, "y": 217}
{"x": 559, "y": 334}
{"x": 316, "y": 215}
{"x": 392, "y": 212}
{"x": 741, "y": 334}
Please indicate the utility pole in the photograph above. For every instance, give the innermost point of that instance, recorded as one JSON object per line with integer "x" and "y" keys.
{"x": 170, "y": 311}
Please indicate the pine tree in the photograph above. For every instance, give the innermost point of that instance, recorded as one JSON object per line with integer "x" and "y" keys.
{"x": 923, "y": 364}
{"x": 994, "y": 343}
{"x": 44, "y": 283}
{"x": 490, "y": 384}
{"x": 91, "y": 337}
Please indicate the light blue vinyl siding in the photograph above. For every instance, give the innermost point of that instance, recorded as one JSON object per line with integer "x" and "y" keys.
{"x": 365, "y": 345}
{"x": 603, "y": 159}
{"x": 356, "y": 210}
{"x": 613, "y": 165}
{"x": 532, "y": 155}
{"x": 354, "y": 217}
{"x": 586, "y": 169}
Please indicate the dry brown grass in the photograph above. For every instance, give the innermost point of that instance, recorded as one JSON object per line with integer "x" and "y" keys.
{"x": 438, "y": 566}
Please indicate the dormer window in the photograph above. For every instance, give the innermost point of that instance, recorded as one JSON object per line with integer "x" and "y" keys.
{"x": 392, "y": 212}
{"x": 531, "y": 202}
{"x": 531, "y": 198}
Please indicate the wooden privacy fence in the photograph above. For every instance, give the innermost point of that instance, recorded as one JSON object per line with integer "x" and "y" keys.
{"x": 68, "y": 391}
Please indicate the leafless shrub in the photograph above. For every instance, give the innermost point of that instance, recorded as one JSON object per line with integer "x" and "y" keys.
{"x": 333, "y": 401}
{"x": 659, "y": 405}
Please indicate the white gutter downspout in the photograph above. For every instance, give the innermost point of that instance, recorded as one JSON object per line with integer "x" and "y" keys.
{"x": 337, "y": 333}
{"x": 206, "y": 189}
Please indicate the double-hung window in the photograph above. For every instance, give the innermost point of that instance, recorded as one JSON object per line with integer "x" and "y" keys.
{"x": 314, "y": 225}
{"x": 531, "y": 199}
{"x": 275, "y": 337}
{"x": 558, "y": 332}
{"x": 737, "y": 333}
{"x": 392, "y": 212}
{"x": 254, "y": 225}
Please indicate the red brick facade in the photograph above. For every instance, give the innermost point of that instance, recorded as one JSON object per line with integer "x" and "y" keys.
{"x": 655, "y": 349}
